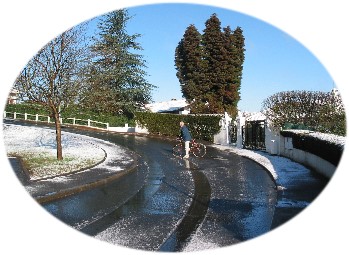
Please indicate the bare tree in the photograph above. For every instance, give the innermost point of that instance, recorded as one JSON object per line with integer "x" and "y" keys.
{"x": 52, "y": 77}
{"x": 320, "y": 111}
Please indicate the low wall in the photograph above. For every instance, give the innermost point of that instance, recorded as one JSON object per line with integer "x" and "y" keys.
{"x": 127, "y": 129}
{"x": 320, "y": 165}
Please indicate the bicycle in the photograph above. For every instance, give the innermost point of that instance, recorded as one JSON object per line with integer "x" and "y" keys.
{"x": 198, "y": 149}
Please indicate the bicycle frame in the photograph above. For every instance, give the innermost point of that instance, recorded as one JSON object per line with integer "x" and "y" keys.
{"x": 197, "y": 149}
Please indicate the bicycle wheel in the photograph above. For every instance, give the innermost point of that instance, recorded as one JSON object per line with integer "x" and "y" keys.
{"x": 178, "y": 150}
{"x": 199, "y": 150}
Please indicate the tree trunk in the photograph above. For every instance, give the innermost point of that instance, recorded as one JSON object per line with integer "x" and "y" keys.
{"x": 58, "y": 137}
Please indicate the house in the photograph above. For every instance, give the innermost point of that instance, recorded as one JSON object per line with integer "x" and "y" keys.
{"x": 13, "y": 96}
{"x": 173, "y": 106}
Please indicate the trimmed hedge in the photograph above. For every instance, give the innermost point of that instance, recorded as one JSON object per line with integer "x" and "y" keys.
{"x": 329, "y": 151}
{"x": 27, "y": 108}
{"x": 202, "y": 127}
{"x": 71, "y": 112}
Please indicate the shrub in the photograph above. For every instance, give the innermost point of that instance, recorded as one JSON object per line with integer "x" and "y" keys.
{"x": 202, "y": 127}
{"x": 71, "y": 112}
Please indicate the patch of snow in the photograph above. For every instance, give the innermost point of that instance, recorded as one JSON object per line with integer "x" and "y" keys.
{"x": 260, "y": 157}
{"x": 80, "y": 151}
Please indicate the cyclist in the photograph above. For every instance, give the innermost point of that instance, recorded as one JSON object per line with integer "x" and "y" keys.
{"x": 186, "y": 136}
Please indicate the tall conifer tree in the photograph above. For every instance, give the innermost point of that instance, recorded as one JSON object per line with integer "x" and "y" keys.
{"x": 239, "y": 56}
{"x": 117, "y": 74}
{"x": 233, "y": 72}
{"x": 188, "y": 60}
{"x": 219, "y": 58}
{"x": 215, "y": 57}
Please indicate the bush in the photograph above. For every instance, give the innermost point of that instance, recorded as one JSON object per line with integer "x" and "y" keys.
{"x": 71, "y": 112}
{"x": 202, "y": 127}
{"x": 27, "y": 108}
{"x": 314, "y": 110}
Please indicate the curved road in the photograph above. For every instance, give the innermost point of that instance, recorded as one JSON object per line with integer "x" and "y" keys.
{"x": 171, "y": 204}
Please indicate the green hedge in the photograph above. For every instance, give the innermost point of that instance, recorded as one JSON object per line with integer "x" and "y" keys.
{"x": 27, "y": 108}
{"x": 71, "y": 112}
{"x": 324, "y": 149}
{"x": 202, "y": 127}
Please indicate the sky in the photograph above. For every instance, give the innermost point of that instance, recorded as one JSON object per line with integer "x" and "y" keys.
{"x": 274, "y": 61}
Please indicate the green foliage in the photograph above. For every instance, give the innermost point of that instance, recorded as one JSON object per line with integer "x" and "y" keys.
{"x": 188, "y": 63}
{"x": 28, "y": 108}
{"x": 209, "y": 67}
{"x": 202, "y": 127}
{"x": 324, "y": 149}
{"x": 319, "y": 111}
{"x": 72, "y": 112}
{"x": 116, "y": 77}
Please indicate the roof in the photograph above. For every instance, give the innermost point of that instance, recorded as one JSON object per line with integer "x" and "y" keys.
{"x": 167, "y": 106}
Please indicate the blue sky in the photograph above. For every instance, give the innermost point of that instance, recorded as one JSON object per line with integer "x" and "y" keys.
{"x": 274, "y": 61}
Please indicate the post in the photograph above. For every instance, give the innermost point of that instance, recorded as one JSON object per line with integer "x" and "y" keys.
{"x": 25, "y": 116}
{"x": 14, "y": 115}
{"x": 74, "y": 121}
{"x": 227, "y": 124}
{"x": 88, "y": 122}
{"x": 240, "y": 124}
{"x": 48, "y": 119}
{"x": 36, "y": 117}
{"x": 107, "y": 126}
{"x": 4, "y": 114}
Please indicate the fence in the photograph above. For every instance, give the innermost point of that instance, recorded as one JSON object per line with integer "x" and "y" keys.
{"x": 45, "y": 118}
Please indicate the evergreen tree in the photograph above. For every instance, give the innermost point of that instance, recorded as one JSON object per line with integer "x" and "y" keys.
{"x": 239, "y": 56}
{"x": 216, "y": 63}
{"x": 235, "y": 57}
{"x": 116, "y": 77}
{"x": 188, "y": 60}
{"x": 210, "y": 69}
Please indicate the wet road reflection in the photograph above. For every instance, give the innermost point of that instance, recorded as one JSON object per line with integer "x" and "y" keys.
{"x": 170, "y": 204}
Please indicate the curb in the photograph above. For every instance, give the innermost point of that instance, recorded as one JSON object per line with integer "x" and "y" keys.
{"x": 77, "y": 189}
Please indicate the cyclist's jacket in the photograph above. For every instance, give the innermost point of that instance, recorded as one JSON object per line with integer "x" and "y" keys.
{"x": 185, "y": 134}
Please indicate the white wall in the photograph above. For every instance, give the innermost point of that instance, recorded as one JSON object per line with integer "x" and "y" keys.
{"x": 308, "y": 159}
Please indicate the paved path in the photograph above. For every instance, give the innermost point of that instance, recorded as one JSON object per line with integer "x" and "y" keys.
{"x": 297, "y": 186}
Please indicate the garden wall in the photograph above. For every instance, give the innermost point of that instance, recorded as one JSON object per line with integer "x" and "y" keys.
{"x": 321, "y": 152}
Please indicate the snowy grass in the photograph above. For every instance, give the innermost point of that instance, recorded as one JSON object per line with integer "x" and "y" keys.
{"x": 36, "y": 146}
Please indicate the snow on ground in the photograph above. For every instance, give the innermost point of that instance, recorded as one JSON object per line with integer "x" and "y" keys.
{"x": 79, "y": 151}
{"x": 282, "y": 169}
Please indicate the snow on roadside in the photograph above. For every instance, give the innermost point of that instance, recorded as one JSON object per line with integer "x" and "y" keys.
{"x": 260, "y": 157}
{"x": 282, "y": 169}
{"x": 78, "y": 151}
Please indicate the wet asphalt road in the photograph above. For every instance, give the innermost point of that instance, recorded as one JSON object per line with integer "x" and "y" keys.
{"x": 173, "y": 204}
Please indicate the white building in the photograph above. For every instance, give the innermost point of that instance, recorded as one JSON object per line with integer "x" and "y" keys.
{"x": 173, "y": 106}
{"x": 13, "y": 96}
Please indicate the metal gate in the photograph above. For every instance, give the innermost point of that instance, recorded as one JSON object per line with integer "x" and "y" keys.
{"x": 253, "y": 135}
{"x": 233, "y": 133}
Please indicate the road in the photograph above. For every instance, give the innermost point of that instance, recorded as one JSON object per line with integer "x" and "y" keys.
{"x": 171, "y": 204}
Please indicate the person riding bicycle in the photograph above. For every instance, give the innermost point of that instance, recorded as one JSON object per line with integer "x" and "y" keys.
{"x": 186, "y": 136}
